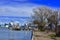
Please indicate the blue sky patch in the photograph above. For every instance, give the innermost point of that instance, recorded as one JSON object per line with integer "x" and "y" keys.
{"x": 23, "y": 7}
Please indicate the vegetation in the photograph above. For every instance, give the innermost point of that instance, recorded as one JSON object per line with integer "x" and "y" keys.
{"x": 43, "y": 15}
{"x": 52, "y": 35}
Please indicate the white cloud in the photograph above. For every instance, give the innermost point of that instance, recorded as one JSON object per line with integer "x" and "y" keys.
{"x": 17, "y": 10}
{"x": 23, "y": 10}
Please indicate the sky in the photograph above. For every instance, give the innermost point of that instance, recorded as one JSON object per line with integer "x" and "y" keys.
{"x": 24, "y": 7}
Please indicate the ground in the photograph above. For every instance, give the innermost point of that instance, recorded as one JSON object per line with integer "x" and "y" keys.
{"x": 37, "y": 35}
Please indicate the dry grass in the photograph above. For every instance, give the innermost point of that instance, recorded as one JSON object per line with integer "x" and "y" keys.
{"x": 42, "y": 35}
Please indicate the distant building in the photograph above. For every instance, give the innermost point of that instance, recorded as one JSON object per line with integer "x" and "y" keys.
{"x": 14, "y": 25}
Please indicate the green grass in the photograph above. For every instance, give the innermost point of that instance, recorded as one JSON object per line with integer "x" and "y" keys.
{"x": 52, "y": 35}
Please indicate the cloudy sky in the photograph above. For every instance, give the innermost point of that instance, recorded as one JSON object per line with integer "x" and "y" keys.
{"x": 23, "y": 7}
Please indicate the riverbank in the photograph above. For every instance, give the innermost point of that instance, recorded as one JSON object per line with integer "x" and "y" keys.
{"x": 43, "y": 36}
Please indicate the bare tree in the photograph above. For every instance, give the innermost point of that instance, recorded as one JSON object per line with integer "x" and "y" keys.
{"x": 44, "y": 13}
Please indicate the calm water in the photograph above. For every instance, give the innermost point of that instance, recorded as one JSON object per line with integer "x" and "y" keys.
{"x": 6, "y": 34}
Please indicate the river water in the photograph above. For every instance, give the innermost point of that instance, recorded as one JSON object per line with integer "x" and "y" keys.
{"x": 6, "y": 34}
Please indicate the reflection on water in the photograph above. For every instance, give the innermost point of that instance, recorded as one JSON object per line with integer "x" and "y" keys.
{"x": 6, "y": 34}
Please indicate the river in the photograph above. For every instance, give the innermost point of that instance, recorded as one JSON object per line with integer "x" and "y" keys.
{"x": 6, "y": 34}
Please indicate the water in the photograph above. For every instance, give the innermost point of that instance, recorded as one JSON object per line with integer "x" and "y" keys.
{"x": 6, "y": 34}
